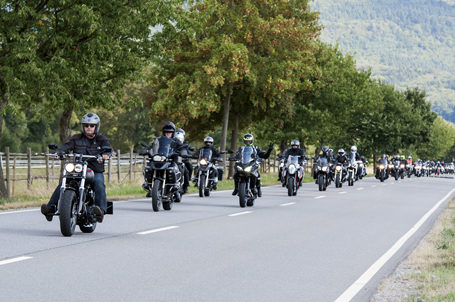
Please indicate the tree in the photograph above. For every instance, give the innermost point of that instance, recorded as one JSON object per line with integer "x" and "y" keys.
{"x": 248, "y": 53}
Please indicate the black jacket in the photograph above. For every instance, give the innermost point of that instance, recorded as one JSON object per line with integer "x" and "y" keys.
{"x": 81, "y": 144}
{"x": 294, "y": 152}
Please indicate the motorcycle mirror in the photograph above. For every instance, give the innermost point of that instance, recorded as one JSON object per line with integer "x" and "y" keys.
{"x": 107, "y": 148}
{"x": 53, "y": 146}
{"x": 230, "y": 151}
{"x": 191, "y": 148}
{"x": 222, "y": 152}
{"x": 144, "y": 144}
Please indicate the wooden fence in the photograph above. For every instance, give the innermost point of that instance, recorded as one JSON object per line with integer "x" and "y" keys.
{"x": 119, "y": 168}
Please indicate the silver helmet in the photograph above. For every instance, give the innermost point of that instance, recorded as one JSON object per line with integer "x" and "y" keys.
{"x": 91, "y": 119}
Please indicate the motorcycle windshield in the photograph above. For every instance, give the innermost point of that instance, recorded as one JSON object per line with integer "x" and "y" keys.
{"x": 162, "y": 146}
{"x": 205, "y": 153}
{"x": 323, "y": 161}
{"x": 293, "y": 159}
{"x": 247, "y": 155}
{"x": 384, "y": 162}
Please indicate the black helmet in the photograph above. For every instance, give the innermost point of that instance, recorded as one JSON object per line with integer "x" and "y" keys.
{"x": 168, "y": 127}
{"x": 295, "y": 142}
{"x": 248, "y": 139}
{"x": 208, "y": 139}
{"x": 91, "y": 119}
{"x": 180, "y": 135}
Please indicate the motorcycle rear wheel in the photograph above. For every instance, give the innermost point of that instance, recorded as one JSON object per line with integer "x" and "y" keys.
{"x": 68, "y": 213}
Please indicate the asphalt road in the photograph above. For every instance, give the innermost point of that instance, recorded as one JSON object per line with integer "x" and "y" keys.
{"x": 316, "y": 246}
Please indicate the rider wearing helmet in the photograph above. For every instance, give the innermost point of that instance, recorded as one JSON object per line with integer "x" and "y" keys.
{"x": 88, "y": 142}
{"x": 294, "y": 150}
{"x": 208, "y": 144}
{"x": 341, "y": 156}
{"x": 354, "y": 154}
{"x": 186, "y": 150}
{"x": 248, "y": 140}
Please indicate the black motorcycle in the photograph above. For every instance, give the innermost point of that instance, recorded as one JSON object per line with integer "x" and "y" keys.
{"x": 321, "y": 173}
{"x": 208, "y": 173}
{"x": 77, "y": 195}
{"x": 247, "y": 170}
{"x": 163, "y": 177}
{"x": 382, "y": 170}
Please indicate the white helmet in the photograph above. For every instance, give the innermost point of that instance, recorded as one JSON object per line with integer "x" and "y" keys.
{"x": 353, "y": 149}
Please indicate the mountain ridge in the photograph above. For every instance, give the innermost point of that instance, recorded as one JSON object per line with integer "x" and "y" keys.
{"x": 405, "y": 43}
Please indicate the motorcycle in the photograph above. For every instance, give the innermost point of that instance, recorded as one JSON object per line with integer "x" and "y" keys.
{"x": 321, "y": 173}
{"x": 382, "y": 170}
{"x": 247, "y": 170}
{"x": 77, "y": 195}
{"x": 340, "y": 175}
{"x": 418, "y": 170}
{"x": 163, "y": 179}
{"x": 409, "y": 169}
{"x": 293, "y": 174}
{"x": 395, "y": 170}
{"x": 207, "y": 179}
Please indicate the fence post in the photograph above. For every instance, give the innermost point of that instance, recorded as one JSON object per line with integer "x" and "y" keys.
{"x": 14, "y": 175}
{"x": 8, "y": 176}
{"x": 29, "y": 168}
{"x": 135, "y": 167}
{"x": 47, "y": 167}
{"x": 118, "y": 166}
{"x": 109, "y": 169}
{"x": 131, "y": 164}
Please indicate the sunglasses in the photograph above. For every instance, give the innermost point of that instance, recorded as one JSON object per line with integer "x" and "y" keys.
{"x": 89, "y": 125}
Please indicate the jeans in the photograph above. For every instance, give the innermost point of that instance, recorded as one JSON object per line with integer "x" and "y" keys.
{"x": 98, "y": 187}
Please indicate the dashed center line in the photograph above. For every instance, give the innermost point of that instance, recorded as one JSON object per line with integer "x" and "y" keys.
{"x": 158, "y": 230}
{"x": 360, "y": 189}
{"x": 240, "y": 213}
{"x": 8, "y": 261}
{"x": 373, "y": 186}
{"x": 287, "y": 204}
{"x": 342, "y": 192}
{"x": 319, "y": 197}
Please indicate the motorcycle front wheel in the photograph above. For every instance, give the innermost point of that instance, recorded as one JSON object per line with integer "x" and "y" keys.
{"x": 290, "y": 186}
{"x": 242, "y": 194}
{"x": 338, "y": 183}
{"x": 321, "y": 182}
{"x": 68, "y": 213}
{"x": 201, "y": 185}
{"x": 156, "y": 195}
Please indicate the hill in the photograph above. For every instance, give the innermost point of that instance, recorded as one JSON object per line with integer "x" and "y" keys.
{"x": 405, "y": 43}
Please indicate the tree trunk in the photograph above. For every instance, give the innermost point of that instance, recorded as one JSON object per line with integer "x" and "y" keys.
{"x": 65, "y": 124}
{"x": 234, "y": 139}
{"x": 3, "y": 102}
{"x": 226, "y": 103}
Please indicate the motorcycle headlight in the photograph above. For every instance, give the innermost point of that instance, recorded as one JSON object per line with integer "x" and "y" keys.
{"x": 381, "y": 167}
{"x": 203, "y": 162}
{"x": 281, "y": 165}
{"x": 319, "y": 167}
{"x": 401, "y": 166}
{"x": 158, "y": 158}
{"x": 390, "y": 166}
{"x": 239, "y": 168}
{"x": 338, "y": 168}
{"x": 248, "y": 169}
{"x": 69, "y": 167}
{"x": 291, "y": 169}
{"x": 78, "y": 168}
{"x": 324, "y": 168}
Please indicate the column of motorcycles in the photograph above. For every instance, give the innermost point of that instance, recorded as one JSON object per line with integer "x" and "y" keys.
{"x": 401, "y": 169}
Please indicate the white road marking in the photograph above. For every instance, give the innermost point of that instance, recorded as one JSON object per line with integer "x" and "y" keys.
{"x": 365, "y": 277}
{"x": 8, "y": 261}
{"x": 373, "y": 186}
{"x": 240, "y": 213}
{"x": 360, "y": 189}
{"x": 319, "y": 197}
{"x": 287, "y": 204}
{"x": 16, "y": 212}
{"x": 158, "y": 230}
{"x": 342, "y": 192}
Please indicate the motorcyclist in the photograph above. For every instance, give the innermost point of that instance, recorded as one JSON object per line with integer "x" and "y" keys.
{"x": 168, "y": 130}
{"x": 248, "y": 140}
{"x": 325, "y": 153}
{"x": 409, "y": 161}
{"x": 208, "y": 144}
{"x": 343, "y": 160}
{"x": 88, "y": 142}
{"x": 354, "y": 155}
{"x": 186, "y": 150}
{"x": 384, "y": 160}
{"x": 295, "y": 150}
